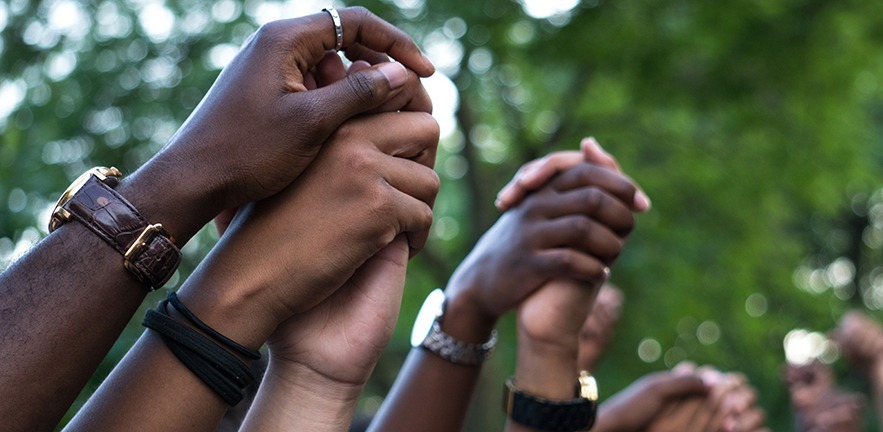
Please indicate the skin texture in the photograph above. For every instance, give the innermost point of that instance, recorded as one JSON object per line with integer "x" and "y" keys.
{"x": 321, "y": 359}
{"x": 574, "y": 226}
{"x": 227, "y": 290}
{"x": 76, "y": 284}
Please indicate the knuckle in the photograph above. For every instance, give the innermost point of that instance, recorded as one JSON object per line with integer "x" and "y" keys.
{"x": 433, "y": 181}
{"x": 360, "y": 12}
{"x": 382, "y": 201}
{"x": 582, "y": 226}
{"x": 267, "y": 34}
{"x": 594, "y": 199}
{"x": 357, "y": 160}
{"x": 310, "y": 117}
{"x": 362, "y": 87}
{"x": 433, "y": 130}
{"x": 426, "y": 217}
{"x": 562, "y": 260}
{"x": 628, "y": 222}
{"x": 616, "y": 248}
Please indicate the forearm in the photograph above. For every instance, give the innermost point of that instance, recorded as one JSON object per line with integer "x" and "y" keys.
{"x": 61, "y": 308}
{"x": 152, "y": 388}
{"x": 431, "y": 393}
{"x": 294, "y": 398}
{"x": 69, "y": 298}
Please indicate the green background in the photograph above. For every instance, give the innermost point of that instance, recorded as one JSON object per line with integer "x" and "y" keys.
{"x": 754, "y": 126}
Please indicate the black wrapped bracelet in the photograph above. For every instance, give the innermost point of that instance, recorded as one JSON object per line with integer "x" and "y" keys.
{"x": 218, "y": 368}
{"x": 227, "y": 342}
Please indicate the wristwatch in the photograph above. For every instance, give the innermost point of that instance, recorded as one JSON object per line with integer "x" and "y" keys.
{"x": 427, "y": 333}
{"x": 149, "y": 252}
{"x": 576, "y": 414}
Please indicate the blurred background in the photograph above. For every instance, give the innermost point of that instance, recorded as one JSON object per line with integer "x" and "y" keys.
{"x": 755, "y": 127}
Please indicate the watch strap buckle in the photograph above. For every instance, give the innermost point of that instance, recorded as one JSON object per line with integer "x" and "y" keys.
{"x": 159, "y": 268}
{"x": 140, "y": 243}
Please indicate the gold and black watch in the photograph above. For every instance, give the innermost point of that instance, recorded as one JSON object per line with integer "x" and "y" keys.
{"x": 577, "y": 414}
{"x": 149, "y": 252}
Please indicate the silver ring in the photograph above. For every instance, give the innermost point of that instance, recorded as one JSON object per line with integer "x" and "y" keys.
{"x": 338, "y": 27}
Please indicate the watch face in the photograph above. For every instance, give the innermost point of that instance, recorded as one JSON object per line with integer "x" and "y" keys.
{"x": 431, "y": 309}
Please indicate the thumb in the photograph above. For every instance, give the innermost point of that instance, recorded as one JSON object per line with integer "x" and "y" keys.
{"x": 385, "y": 271}
{"x": 358, "y": 92}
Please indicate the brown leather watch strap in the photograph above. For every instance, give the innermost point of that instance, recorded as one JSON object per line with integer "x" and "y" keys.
{"x": 148, "y": 250}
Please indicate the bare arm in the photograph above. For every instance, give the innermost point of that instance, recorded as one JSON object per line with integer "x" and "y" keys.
{"x": 275, "y": 263}
{"x": 544, "y": 237}
{"x": 72, "y": 286}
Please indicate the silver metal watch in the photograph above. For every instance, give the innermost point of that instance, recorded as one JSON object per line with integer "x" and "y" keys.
{"x": 427, "y": 333}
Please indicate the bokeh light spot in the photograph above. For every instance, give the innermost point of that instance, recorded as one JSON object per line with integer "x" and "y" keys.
{"x": 547, "y": 8}
{"x": 708, "y": 332}
{"x": 756, "y": 305}
{"x": 649, "y": 350}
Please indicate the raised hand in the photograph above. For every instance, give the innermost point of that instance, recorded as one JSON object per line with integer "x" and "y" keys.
{"x": 282, "y": 256}
{"x": 261, "y": 125}
{"x": 253, "y": 134}
{"x": 323, "y": 357}
{"x": 288, "y": 253}
{"x": 534, "y": 174}
{"x": 638, "y": 405}
{"x": 575, "y": 227}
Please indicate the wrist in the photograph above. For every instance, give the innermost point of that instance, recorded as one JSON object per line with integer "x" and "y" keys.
{"x": 464, "y": 319}
{"x": 301, "y": 378}
{"x": 228, "y": 308}
{"x": 545, "y": 370}
{"x": 293, "y": 396}
{"x": 560, "y": 344}
{"x": 174, "y": 194}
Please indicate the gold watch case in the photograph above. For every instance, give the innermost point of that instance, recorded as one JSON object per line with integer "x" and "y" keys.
{"x": 109, "y": 176}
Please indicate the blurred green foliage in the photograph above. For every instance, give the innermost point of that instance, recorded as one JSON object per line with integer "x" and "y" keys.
{"x": 754, "y": 126}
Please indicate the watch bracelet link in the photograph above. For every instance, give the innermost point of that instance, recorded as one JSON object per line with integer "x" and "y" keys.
{"x": 457, "y": 351}
{"x": 148, "y": 250}
{"x": 577, "y": 414}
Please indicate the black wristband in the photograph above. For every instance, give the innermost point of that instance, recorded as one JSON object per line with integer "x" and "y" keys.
{"x": 173, "y": 299}
{"x": 219, "y": 369}
{"x": 576, "y": 414}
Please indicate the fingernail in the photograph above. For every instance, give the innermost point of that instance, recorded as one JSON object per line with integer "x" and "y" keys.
{"x": 395, "y": 73}
{"x": 642, "y": 201}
